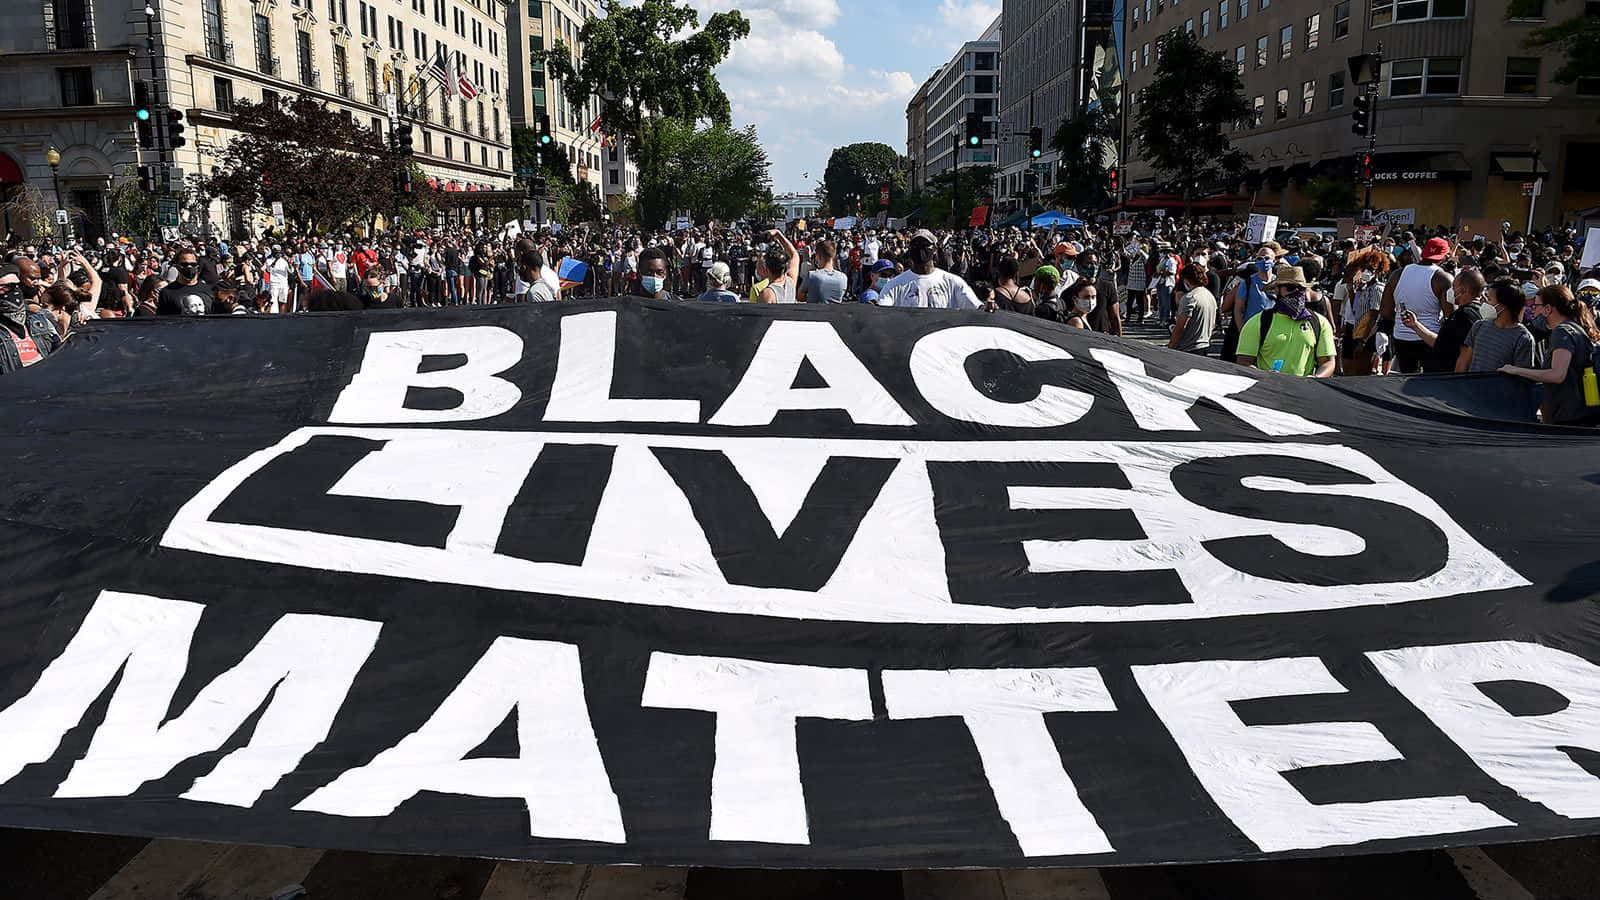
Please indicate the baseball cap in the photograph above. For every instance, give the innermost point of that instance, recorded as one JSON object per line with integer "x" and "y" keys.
{"x": 1588, "y": 284}
{"x": 923, "y": 234}
{"x": 883, "y": 265}
{"x": 1434, "y": 249}
{"x": 719, "y": 273}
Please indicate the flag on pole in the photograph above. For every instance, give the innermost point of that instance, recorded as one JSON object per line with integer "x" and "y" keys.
{"x": 469, "y": 91}
{"x": 438, "y": 71}
{"x": 596, "y": 124}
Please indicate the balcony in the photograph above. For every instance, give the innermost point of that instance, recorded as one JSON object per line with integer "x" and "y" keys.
{"x": 269, "y": 65}
{"x": 311, "y": 79}
{"x": 345, "y": 87}
{"x": 373, "y": 98}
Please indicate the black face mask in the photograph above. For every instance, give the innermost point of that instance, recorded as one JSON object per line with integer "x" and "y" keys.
{"x": 12, "y": 305}
{"x": 921, "y": 255}
{"x": 188, "y": 270}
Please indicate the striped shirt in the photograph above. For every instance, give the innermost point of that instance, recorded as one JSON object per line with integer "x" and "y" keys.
{"x": 1493, "y": 346}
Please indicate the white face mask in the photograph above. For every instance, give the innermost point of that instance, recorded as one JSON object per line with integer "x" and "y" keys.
{"x": 1367, "y": 276}
{"x": 1085, "y": 304}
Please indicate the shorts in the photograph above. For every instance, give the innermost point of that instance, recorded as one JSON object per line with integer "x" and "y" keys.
{"x": 1410, "y": 356}
{"x": 278, "y": 292}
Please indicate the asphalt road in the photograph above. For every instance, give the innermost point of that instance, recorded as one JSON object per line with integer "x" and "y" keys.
{"x": 63, "y": 866}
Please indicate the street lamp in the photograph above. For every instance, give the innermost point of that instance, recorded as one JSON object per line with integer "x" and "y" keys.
{"x": 53, "y": 157}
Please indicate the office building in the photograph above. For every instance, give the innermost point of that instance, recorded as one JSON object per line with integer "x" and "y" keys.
{"x": 1466, "y": 113}
{"x": 968, "y": 83}
{"x": 72, "y": 67}
{"x": 917, "y": 133}
{"x": 1038, "y": 54}
{"x": 537, "y": 25}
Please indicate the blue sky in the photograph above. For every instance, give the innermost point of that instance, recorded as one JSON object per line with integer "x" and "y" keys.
{"x": 819, "y": 74}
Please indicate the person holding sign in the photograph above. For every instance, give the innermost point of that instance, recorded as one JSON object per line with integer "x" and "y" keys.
{"x": 1288, "y": 337}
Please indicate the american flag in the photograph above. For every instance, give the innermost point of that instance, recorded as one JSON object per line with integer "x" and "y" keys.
{"x": 438, "y": 71}
{"x": 469, "y": 91}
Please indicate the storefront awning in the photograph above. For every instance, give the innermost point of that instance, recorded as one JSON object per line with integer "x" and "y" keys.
{"x": 1518, "y": 165}
{"x": 1422, "y": 167}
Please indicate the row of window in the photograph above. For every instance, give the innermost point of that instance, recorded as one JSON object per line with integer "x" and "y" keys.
{"x": 1438, "y": 76}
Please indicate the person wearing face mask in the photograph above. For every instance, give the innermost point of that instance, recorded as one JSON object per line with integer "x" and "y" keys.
{"x": 653, "y": 270}
{"x": 1080, "y": 302}
{"x": 1363, "y": 286}
{"x": 1107, "y": 315}
{"x": 1572, "y": 346}
{"x": 923, "y": 284}
{"x": 1288, "y": 337}
{"x": 29, "y": 336}
{"x": 1252, "y": 297}
{"x": 186, "y": 293}
{"x": 1501, "y": 341}
{"x": 1467, "y": 290}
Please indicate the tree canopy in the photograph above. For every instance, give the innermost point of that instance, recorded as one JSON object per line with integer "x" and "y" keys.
{"x": 711, "y": 173}
{"x": 1088, "y": 147}
{"x": 1577, "y": 38}
{"x": 326, "y": 169}
{"x": 1182, "y": 111}
{"x": 855, "y": 173}
{"x": 648, "y": 60}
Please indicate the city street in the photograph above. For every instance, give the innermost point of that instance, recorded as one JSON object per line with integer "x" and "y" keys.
{"x": 59, "y": 866}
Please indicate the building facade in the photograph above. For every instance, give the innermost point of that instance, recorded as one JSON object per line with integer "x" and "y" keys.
{"x": 81, "y": 60}
{"x": 1465, "y": 111}
{"x": 1038, "y": 74}
{"x": 917, "y": 133}
{"x": 537, "y": 25}
{"x": 798, "y": 206}
{"x": 968, "y": 83}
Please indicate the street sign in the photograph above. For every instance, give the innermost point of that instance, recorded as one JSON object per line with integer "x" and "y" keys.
{"x": 166, "y": 212}
{"x": 392, "y": 106}
{"x": 1161, "y": 213}
{"x": 61, "y": 217}
{"x": 1407, "y": 216}
{"x": 277, "y": 213}
{"x": 1527, "y": 189}
{"x": 169, "y": 233}
{"x": 524, "y": 171}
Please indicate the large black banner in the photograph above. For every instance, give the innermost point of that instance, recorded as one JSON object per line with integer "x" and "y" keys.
{"x": 642, "y": 582}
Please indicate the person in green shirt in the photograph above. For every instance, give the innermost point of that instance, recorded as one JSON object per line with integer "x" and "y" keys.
{"x": 1288, "y": 337}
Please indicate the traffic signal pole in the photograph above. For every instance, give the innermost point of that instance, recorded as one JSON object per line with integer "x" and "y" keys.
{"x": 1366, "y": 71}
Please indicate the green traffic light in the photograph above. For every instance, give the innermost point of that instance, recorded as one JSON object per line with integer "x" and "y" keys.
{"x": 972, "y": 141}
{"x": 1037, "y": 154}
{"x": 143, "y": 115}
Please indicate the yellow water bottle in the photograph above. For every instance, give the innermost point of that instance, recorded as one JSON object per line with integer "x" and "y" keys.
{"x": 1591, "y": 388}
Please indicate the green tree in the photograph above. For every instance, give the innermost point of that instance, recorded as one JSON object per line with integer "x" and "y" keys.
{"x": 1330, "y": 196}
{"x": 1577, "y": 38}
{"x": 645, "y": 63}
{"x": 1181, "y": 113}
{"x": 711, "y": 173}
{"x": 855, "y": 173}
{"x": 950, "y": 199}
{"x": 327, "y": 170}
{"x": 1088, "y": 147}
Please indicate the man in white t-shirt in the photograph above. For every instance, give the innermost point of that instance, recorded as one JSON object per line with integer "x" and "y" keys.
{"x": 924, "y": 284}
{"x": 278, "y": 281}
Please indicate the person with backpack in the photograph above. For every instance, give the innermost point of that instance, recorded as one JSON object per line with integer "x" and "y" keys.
{"x": 1288, "y": 337}
{"x": 1568, "y": 399}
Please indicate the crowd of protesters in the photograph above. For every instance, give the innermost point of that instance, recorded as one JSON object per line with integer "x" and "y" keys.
{"x": 1302, "y": 302}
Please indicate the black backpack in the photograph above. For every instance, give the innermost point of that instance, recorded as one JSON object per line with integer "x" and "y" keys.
{"x": 1316, "y": 328}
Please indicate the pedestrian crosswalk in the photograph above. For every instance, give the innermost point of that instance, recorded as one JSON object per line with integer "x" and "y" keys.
{"x": 61, "y": 866}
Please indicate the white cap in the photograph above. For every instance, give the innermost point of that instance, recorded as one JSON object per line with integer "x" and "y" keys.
{"x": 719, "y": 273}
{"x": 1589, "y": 284}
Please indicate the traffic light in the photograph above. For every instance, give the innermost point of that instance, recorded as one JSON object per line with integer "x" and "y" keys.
{"x": 545, "y": 140}
{"x": 1035, "y": 143}
{"x": 142, "y": 116}
{"x": 538, "y": 186}
{"x": 1362, "y": 118}
{"x": 1114, "y": 181}
{"x": 1030, "y": 182}
{"x": 175, "y": 129}
{"x": 166, "y": 179}
{"x": 404, "y": 142}
{"x": 977, "y": 129}
{"x": 147, "y": 179}
{"x": 402, "y": 182}
{"x": 1366, "y": 167}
